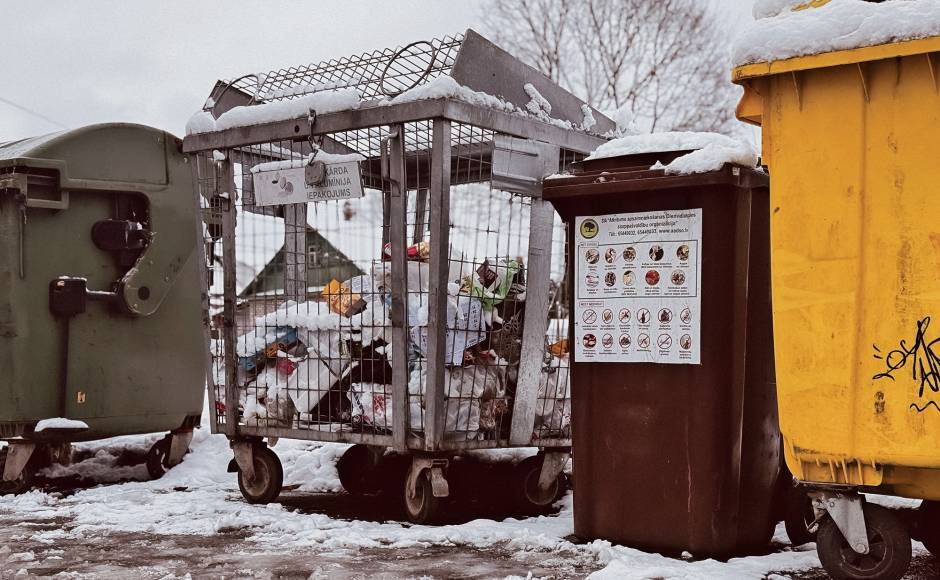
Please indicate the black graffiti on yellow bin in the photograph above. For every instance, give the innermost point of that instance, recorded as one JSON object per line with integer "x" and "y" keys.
{"x": 920, "y": 358}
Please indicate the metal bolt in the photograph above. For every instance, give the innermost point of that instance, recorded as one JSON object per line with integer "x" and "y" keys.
{"x": 861, "y": 548}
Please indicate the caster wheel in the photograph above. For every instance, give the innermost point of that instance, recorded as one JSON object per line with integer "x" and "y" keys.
{"x": 157, "y": 458}
{"x": 423, "y": 508}
{"x": 928, "y": 523}
{"x": 358, "y": 471}
{"x": 268, "y": 479}
{"x": 530, "y": 498}
{"x": 798, "y": 517}
{"x": 889, "y": 548}
{"x": 22, "y": 484}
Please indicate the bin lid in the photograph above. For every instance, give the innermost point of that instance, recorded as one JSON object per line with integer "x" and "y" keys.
{"x": 24, "y": 147}
{"x": 671, "y": 153}
{"x": 798, "y": 35}
{"x": 660, "y": 161}
{"x": 105, "y": 152}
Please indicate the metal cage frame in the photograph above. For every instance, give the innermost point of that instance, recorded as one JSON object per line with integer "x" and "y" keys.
{"x": 215, "y": 154}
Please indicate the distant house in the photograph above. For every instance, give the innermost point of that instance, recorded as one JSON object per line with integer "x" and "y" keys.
{"x": 324, "y": 263}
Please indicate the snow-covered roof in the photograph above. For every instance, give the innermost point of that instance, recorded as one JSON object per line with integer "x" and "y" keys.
{"x": 709, "y": 151}
{"x": 780, "y": 32}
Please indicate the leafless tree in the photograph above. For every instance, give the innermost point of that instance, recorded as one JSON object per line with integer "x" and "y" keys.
{"x": 665, "y": 62}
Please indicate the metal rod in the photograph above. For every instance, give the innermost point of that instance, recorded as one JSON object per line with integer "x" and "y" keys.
{"x": 421, "y": 208}
{"x": 399, "y": 289}
{"x": 295, "y": 258}
{"x": 542, "y": 221}
{"x": 226, "y": 183}
{"x": 376, "y": 116}
{"x": 434, "y": 420}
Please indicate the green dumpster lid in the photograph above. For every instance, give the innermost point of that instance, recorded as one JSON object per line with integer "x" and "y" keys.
{"x": 23, "y": 147}
{"x": 125, "y": 152}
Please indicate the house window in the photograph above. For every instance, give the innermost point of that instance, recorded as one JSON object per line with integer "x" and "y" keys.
{"x": 313, "y": 257}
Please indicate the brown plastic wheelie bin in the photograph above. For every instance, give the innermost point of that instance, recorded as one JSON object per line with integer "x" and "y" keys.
{"x": 674, "y": 418}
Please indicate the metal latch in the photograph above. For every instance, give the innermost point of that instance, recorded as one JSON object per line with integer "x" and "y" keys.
{"x": 315, "y": 173}
{"x": 68, "y": 296}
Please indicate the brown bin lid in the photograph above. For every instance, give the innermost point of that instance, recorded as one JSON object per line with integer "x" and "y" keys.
{"x": 632, "y": 173}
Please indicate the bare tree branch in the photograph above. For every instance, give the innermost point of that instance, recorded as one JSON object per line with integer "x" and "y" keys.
{"x": 666, "y": 61}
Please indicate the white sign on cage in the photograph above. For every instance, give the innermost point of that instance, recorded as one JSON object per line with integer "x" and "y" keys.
{"x": 284, "y": 182}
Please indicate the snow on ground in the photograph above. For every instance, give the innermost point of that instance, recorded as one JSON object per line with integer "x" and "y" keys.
{"x": 710, "y": 151}
{"x": 200, "y": 498}
{"x": 838, "y": 25}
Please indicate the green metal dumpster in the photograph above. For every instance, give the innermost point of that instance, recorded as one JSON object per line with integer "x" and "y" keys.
{"x": 100, "y": 301}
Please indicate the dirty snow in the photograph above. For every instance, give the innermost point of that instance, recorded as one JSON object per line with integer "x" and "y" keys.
{"x": 60, "y": 423}
{"x": 838, "y": 25}
{"x": 323, "y": 102}
{"x": 710, "y": 151}
{"x": 199, "y": 497}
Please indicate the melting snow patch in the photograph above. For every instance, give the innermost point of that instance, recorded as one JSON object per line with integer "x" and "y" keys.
{"x": 298, "y": 161}
{"x": 325, "y": 102}
{"x": 448, "y": 88}
{"x": 838, "y": 25}
{"x": 60, "y": 423}
{"x": 710, "y": 151}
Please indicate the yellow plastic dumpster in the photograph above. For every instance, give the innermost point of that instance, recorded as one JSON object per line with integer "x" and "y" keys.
{"x": 852, "y": 142}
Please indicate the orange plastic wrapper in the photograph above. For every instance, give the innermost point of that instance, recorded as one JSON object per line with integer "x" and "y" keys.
{"x": 559, "y": 349}
{"x": 342, "y": 300}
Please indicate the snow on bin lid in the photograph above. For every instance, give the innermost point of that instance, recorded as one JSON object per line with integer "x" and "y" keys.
{"x": 710, "y": 151}
{"x": 465, "y": 67}
{"x": 784, "y": 30}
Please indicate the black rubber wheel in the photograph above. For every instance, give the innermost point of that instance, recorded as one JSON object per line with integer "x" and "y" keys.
{"x": 268, "y": 480}
{"x": 798, "y": 516}
{"x": 529, "y": 497}
{"x": 358, "y": 471}
{"x": 20, "y": 485}
{"x": 889, "y": 548}
{"x": 157, "y": 458}
{"x": 928, "y": 524}
{"x": 423, "y": 508}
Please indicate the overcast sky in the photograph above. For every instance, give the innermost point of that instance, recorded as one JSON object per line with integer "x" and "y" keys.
{"x": 80, "y": 62}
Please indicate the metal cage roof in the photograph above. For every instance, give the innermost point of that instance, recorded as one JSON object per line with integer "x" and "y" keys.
{"x": 470, "y": 60}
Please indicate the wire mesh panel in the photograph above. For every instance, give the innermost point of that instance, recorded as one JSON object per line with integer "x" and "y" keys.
{"x": 306, "y": 295}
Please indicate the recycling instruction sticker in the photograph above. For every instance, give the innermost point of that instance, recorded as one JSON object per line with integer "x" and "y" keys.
{"x": 638, "y": 287}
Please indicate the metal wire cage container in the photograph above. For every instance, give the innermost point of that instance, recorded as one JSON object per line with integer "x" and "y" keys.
{"x": 423, "y": 316}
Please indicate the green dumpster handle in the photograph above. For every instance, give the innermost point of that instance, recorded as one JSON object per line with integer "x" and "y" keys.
{"x": 145, "y": 286}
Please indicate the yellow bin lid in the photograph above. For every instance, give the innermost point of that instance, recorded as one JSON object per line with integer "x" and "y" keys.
{"x": 750, "y": 108}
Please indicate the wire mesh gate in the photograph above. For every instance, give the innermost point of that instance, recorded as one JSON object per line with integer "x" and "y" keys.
{"x": 424, "y": 316}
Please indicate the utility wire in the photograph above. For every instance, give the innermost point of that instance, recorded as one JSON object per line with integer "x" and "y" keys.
{"x": 31, "y": 112}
